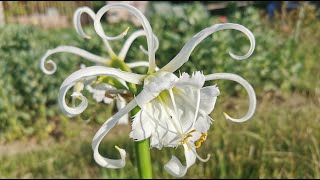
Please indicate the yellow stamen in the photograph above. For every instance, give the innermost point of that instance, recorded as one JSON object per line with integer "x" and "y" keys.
{"x": 198, "y": 144}
{"x": 192, "y": 131}
{"x": 188, "y": 135}
{"x": 201, "y": 140}
{"x": 186, "y": 138}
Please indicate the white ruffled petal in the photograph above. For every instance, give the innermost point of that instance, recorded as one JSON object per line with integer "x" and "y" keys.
{"x": 184, "y": 54}
{"x": 142, "y": 127}
{"x": 202, "y": 125}
{"x": 196, "y": 80}
{"x": 208, "y": 98}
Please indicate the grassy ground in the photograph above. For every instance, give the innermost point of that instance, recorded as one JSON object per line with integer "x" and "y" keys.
{"x": 281, "y": 141}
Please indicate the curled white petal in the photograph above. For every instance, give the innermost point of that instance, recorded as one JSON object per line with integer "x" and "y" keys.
{"x": 140, "y": 64}
{"x": 105, "y": 128}
{"x": 175, "y": 167}
{"x": 185, "y": 52}
{"x": 88, "y": 73}
{"x": 132, "y": 38}
{"x": 156, "y": 45}
{"x": 142, "y": 19}
{"x": 78, "y": 27}
{"x": 137, "y": 64}
{"x": 69, "y": 49}
{"x": 121, "y": 103}
{"x": 246, "y": 85}
{"x": 77, "y": 20}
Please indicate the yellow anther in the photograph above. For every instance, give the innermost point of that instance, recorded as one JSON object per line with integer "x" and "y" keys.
{"x": 198, "y": 143}
{"x": 201, "y": 140}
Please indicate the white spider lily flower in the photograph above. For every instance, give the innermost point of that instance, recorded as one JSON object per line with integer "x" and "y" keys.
{"x": 174, "y": 110}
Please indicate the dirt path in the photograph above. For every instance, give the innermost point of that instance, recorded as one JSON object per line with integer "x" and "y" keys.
{"x": 31, "y": 145}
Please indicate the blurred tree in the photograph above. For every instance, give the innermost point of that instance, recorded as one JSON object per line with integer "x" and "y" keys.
{"x": 2, "y": 21}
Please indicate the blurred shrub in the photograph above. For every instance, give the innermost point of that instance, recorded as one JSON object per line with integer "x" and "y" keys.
{"x": 27, "y": 95}
{"x": 280, "y": 61}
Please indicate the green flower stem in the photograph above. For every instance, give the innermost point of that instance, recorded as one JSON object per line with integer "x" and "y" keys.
{"x": 117, "y": 63}
{"x": 142, "y": 149}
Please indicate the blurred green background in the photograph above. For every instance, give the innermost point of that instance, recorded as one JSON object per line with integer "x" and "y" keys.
{"x": 280, "y": 141}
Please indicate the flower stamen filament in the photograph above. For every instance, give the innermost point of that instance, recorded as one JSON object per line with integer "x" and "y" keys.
{"x": 175, "y": 107}
{"x": 197, "y": 109}
{"x": 184, "y": 138}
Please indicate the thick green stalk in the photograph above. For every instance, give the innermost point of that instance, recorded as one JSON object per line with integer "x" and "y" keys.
{"x": 142, "y": 149}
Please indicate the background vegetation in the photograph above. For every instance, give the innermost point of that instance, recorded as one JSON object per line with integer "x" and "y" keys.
{"x": 280, "y": 141}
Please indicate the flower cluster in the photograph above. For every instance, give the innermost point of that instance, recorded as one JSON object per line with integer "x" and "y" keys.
{"x": 174, "y": 110}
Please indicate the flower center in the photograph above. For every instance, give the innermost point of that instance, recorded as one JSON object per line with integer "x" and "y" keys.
{"x": 185, "y": 138}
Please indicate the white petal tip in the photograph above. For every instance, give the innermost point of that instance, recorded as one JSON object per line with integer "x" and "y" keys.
{"x": 119, "y": 149}
{"x": 226, "y": 116}
{"x": 208, "y": 157}
{"x": 239, "y": 58}
{"x": 126, "y": 31}
{"x": 234, "y": 119}
{"x": 49, "y": 71}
